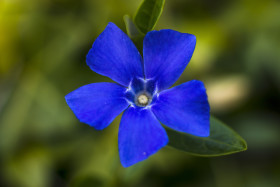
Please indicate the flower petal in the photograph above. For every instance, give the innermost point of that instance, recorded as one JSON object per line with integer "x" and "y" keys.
{"x": 184, "y": 108}
{"x": 97, "y": 104}
{"x": 166, "y": 55}
{"x": 140, "y": 135}
{"x": 114, "y": 55}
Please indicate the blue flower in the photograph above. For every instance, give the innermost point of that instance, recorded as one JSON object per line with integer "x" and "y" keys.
{"x": 142, "y": 91}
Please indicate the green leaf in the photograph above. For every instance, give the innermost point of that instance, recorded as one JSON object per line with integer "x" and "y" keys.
{"x": 222, "y": 141}
{"x": 131, "y": 28}
{"x": 148, "y": 15}
{"x": 135, "y": 35}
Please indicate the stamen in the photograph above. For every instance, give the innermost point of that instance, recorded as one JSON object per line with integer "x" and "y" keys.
{"x": 143, "y": 99}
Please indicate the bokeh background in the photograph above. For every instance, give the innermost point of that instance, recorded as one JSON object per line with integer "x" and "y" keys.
{"x": 43, "y": 44}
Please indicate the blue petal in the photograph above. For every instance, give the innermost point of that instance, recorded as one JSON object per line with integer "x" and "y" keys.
{"x": 166, "y": 55}
{"x": 114, "y": 55}
{"x": 97, "y": 104}
{"x": 184, "y": 108}
{"x": 140, "y": 135}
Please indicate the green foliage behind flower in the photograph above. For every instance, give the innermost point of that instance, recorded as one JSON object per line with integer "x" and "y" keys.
{"x": 43, "y": 44}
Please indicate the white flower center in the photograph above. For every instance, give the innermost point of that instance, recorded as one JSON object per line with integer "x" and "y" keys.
{"x": 143, "y": 99}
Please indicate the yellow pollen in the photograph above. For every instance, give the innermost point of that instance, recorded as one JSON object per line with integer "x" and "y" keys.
{"x": 143, "y": 99}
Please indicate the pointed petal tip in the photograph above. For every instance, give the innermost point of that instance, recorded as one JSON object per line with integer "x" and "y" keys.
{"x": 204, "y": 134}
{"x": 114, "y": 55}
{"x": 111, "y": 24}
{"x": 140, "y": 136}
{"x": 97, "y": 104}
{"x": 192, "y": 36}
{"x": 185, "y": 108}
{"x": 126, "y": 163}
{"x": 166, "y": 54}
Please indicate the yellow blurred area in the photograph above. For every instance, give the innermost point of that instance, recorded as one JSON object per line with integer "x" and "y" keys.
{"x": 228, "y": 93}
{"x": 10, "y": 17}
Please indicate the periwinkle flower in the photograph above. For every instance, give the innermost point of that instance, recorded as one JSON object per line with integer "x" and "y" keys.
{"x": 142, "y": 91}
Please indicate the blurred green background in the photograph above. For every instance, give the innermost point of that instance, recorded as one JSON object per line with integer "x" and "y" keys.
{"x": 43, "y": 44}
